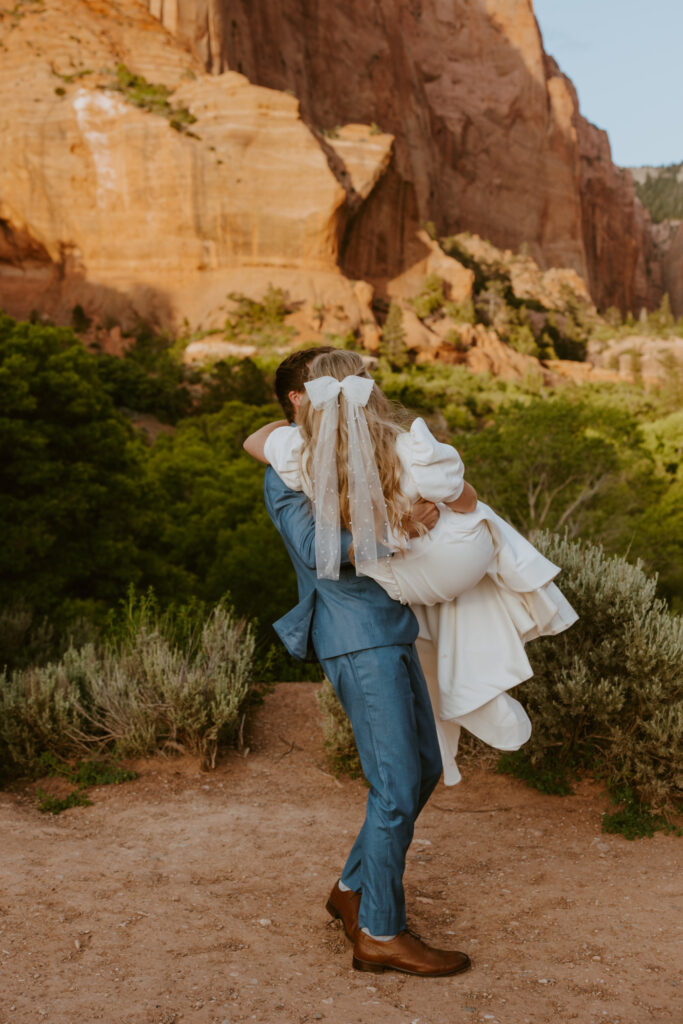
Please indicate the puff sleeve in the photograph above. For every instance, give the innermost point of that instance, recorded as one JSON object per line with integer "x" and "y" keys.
{"x": 282, "y": 450}
{"x": 436, "y": 469}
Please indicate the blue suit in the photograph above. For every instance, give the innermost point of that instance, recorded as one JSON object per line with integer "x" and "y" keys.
{"x": 365, "y": 643}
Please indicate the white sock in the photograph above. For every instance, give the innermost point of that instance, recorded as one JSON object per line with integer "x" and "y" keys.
{"x": 378, "y": 938}
{"x": 343, "y": 888}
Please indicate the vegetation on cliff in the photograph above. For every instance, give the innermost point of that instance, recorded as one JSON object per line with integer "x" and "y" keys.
{"x": 661, "y": 192}
{"x": 153, "y": 97}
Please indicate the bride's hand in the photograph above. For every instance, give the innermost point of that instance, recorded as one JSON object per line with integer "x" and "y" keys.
{"x": 467, "y": 502}
{"x": 423, "y": 517}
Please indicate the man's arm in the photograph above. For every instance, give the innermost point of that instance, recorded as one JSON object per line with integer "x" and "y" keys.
{"x": 292, "y": 514}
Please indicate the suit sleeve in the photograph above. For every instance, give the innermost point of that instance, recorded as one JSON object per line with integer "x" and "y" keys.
{"x": 292, "y": 515}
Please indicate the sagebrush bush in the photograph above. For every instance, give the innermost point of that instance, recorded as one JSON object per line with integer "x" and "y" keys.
{"x": 606, "y": 694}
{"x": 143, "y": 691}
{"x": 43, "y": 708}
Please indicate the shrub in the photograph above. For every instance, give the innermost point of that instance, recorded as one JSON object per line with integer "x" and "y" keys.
{"x": 521, "y": 339}
{"x": 262, "y": 323}
{"x": 431, "y": 298}
{"x": 606, "y": 695}
{"x": 462, "y": 312}
{"x": 42, "y": 709}
{"x": 152, "y": 693}
{"x": 152, "y": 97}
{"x": 393, "y": 345}
{"x": 164, "y": 683}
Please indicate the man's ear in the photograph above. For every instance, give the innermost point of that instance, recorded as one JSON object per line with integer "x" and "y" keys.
{"x": 295, "y": 398}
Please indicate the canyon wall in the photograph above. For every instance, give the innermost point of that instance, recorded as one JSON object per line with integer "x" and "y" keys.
{"x": 315, "y": 140}
{"x": 133, "y": 204}
{"x": 489, "y": 137}
{"x": 672, "y": 270}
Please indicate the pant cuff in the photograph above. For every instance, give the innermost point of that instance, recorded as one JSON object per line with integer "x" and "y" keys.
{"x": 382, "y": 925}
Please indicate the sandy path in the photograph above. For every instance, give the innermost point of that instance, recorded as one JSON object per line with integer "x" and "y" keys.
{"x": 199, "y": 898}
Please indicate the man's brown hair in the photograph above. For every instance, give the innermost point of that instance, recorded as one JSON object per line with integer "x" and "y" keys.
{"x": 292, "y": 373}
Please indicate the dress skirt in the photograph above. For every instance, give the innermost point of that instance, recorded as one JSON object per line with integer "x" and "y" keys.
{"x": 479, "y": 591}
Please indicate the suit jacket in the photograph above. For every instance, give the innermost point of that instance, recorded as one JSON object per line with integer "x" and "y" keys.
{"x": 332, "y": 617}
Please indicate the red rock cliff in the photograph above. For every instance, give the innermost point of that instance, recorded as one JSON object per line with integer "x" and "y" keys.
{"x": 104, "y": 203}
{"x": 489, "y": 137}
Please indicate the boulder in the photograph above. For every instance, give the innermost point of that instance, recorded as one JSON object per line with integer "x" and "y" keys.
{"x": 458, "y": 280}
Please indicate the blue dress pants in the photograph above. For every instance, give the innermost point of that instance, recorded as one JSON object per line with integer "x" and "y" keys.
{"x": 384, "y": 694}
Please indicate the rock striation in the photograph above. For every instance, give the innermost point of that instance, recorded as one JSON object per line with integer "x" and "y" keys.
{"x": 672, "y": 267}
{"x": 309, "y": 144}
{"x": 488, "y": 133}
{"x": 104, "y": 203}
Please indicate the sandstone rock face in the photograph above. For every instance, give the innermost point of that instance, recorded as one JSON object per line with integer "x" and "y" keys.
{"x": 672, "y": 271}
{"x": 620, "y": 253}
{"x": 476, "y": 347}
{"x": 365, "y": 155}
{"x": 103, "y": 203}
{"x": 549, "y": 287}
{"x": 488, "y": 354}
{"x": 457, "y": 279}
{"x": 488, "y": 133}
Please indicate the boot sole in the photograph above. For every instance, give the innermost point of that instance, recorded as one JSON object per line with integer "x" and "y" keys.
{"x": 365, "y": 965}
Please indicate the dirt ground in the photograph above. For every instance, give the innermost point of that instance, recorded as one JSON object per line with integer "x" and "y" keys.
{"x": 195, "y": 897}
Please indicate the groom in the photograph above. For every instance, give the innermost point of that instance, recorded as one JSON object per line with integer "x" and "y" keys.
{"x": 365, "y": 643}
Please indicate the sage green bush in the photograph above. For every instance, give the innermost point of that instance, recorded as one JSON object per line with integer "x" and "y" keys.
{"x": 141, "y": 692}
{"x": 606, "y": 694}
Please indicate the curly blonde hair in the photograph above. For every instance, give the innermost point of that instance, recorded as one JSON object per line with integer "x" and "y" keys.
{"x": 382, "y": 418}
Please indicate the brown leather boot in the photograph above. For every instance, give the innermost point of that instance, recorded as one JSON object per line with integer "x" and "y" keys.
{"x": 406, "y": 953}
{"x": 344, "y": 906}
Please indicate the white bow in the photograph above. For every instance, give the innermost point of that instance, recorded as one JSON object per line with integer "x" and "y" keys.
{"x": 368, "y": 511}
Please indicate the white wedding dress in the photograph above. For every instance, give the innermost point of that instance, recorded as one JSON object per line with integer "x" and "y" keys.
{"x": 478, "y": 588}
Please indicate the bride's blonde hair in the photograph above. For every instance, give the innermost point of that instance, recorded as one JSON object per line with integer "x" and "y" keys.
{"x": 382, "y": 420}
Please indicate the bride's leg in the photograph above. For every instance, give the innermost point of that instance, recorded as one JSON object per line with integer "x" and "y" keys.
{"x": 438, "y": 570}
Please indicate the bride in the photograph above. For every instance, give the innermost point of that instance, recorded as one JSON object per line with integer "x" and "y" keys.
{"x": 479, "y": 589}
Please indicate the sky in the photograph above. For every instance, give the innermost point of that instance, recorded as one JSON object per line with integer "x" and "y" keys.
{"x": 625, "y": 58}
